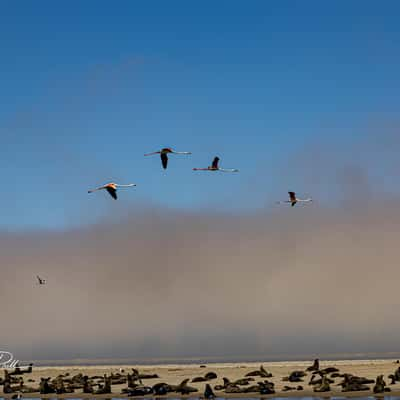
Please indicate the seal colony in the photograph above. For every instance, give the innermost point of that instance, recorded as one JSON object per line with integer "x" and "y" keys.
{"x": 351, "y": 378}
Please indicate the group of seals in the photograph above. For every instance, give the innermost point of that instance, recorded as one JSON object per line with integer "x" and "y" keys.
{"x": 264, "y": 387}
{"x": 321, "y": 381}
{"x": 62, "y": 384}
{"x": 160, "y": 389}
{"x": 353, "y": 383}
{"x": 350, "y": 383}
{"x": 14, "y": 378}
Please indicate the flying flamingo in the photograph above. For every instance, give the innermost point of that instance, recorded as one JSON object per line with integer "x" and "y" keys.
{"x": 111, "y": 188}
{"x": 164, "y": 155}
{"x": 293, "y": 199}
{"x": 214, "y": 167}
{"x": 40, "y": 280}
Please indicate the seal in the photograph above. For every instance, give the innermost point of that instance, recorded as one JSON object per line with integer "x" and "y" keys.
{"x": 162, "y": 388}
{"x": 380, "y": 385}
{"x": 261, "y": 372}
{"x": 315, "y": 366}
{"x": 252, "y": 389}
{"x": 295, "y": 376}
{"x": 45, "y": 387}
{"x": 104, "y": 388}
{"x": 314, "y": 381}
{"x": 288, "y": 388}
{"x": 395, "y": 376}
{"x": 266, "y": 387}
{"x": 208, "y": 392}
{"x": 352, "y": 383}
{"x": 243, "y": 382}
{"x": 21, "y": 371}
{"x": 199, "y": 379}
{"x": 210, "y": 376}
{"x": 87, "y": 385}
{"x": 323, "y": 386}
{"x": 140, "y": 391}
{"x": 183, "y": 388}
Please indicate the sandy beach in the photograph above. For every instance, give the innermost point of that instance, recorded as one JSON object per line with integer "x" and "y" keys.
{"x": 175, "y": 374}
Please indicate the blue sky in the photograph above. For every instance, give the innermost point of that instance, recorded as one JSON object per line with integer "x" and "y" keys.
{"x": 88, "y": 87}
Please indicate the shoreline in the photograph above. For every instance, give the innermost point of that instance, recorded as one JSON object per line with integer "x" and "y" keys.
{"x": 148, "y": 362}
{"x": 216, "y": 364}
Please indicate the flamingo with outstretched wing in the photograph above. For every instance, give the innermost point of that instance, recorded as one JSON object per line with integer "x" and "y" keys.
{"x": 164, "y": 155}
{"x": 293, "y": 199}
{"x": 215, "y": 167}
{"x": 111, "y": 188}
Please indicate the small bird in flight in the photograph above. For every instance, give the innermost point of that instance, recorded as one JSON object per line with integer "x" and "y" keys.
{"x": 40, "y": 280}
{"x": 215, "y": 167}
{"x": 164, "y": 155}
{"x": 293, "y": 199}
{"x": 112, "y": 188}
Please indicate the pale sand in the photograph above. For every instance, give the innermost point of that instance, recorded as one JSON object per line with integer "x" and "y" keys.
{"x": 174, "y": 374}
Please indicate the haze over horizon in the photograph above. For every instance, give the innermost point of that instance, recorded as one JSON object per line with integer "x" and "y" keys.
{"x": 297, "y": 97}
{"x": 157, "y": 282}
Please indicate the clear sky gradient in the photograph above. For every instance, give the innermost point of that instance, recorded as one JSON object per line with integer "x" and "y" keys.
{"x": 88, "y": 87}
